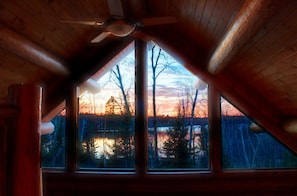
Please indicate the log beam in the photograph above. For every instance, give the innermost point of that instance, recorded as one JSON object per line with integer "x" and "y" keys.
{"x": 252, "y": 16}
{"x": 22, "y": 47}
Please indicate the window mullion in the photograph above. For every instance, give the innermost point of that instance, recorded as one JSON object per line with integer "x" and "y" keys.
{"x": 215, "y": 130}
{"x": 141, "y": 107}
{"x": 71, "y": 132}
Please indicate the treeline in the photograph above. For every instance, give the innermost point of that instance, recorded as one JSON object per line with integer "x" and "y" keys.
{"x": 241, "y": 147}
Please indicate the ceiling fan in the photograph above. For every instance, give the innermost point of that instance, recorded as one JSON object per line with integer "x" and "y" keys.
{"x": 119, "y": 26}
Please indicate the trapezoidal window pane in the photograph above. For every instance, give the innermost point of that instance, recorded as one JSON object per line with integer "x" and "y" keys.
{"x": 177, "y": 115}
{"x": 248, "y": 146}
{"x": 106, "y": 119}
{"x": 53, "y": 143}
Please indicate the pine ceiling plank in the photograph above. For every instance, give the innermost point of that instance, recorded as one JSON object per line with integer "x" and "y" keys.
{"x": 199, "y": 11}
{"x": 25, "y": 23}
{"x": 273, "y": 67}
{"x": 78, "y": 36}
{"x": 197, "y": 31}
{"x": 272, "y": 41}
{"x": 225, "y": 17}
{"x": 204, "y": 21}
{"x": 29, "y": 18}
{"x": 187, "y": 14}
{"x": 219, "y": 18}
{"x": 249, "y": 53}
{"x": 211, "y": 21}
{"x": 251, "y": 17}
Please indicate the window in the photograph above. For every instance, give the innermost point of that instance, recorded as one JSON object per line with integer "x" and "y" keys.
{"x": 177, "y": 115}
{"x": 106, "y": 119}
{"x": 248, "y": 146}
{"x": 179, "y": 134}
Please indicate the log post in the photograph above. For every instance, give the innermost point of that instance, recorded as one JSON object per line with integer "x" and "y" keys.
{"x": 8, "y": 116}
{"x": 24, "y": 141}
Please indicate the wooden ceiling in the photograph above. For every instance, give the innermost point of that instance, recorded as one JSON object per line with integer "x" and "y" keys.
{"x": 247, "y": 49}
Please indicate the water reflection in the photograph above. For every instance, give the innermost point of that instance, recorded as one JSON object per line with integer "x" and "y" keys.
{"x": 104, "y": 147}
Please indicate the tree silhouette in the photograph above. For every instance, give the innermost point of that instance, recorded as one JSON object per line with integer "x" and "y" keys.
{"x": 126, "y": 131}
{"x": 53, "y": 145}
{"x": 191, "y": 146}
{"x": 176, "y": 147}
{"x": 159, "y": 63}
{"x": 119, "y": 82}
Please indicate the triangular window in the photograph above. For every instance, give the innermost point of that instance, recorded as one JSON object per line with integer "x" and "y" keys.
{"x": 245, "y": 145}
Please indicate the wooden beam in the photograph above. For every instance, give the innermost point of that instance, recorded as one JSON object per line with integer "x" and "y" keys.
{"x": 191, "y": 54}
{"x": 252, "y": 16}
{"x": 54, "y": 112}
{"x": 24, "y": 48}
{"x": 24, "y": 141}
{"x": 115, "y": 60}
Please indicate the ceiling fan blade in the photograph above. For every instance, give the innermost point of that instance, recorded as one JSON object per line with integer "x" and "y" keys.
{"x": 115, "y": 8}
{"x": 91, "y": 23}
{"x": 100, "y": 37}
{"x": 158, "y": 20}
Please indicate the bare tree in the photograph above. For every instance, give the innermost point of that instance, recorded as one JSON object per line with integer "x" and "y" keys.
{"x": 154, "y": 65}
{"x": 127, "y": 115}
{"x": 119, "y": 83}
{"x": 191, "y": 124}
{"x": 159, "y": 63}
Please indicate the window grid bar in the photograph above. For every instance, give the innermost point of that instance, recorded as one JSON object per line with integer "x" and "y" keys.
{"x": 71, "y": 131}
{"x": 141, "y": 107}
{"x": 215, "y": 147}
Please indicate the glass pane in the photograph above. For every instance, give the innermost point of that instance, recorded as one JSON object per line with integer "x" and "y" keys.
{"x": 248, "y": 146}
{"x": 106, "y": 119}
{"x": 53, "y": 144}
{"x": 178, "y": 115}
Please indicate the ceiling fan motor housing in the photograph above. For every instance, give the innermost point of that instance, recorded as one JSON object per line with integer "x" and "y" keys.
{"x": 119, "y": 26}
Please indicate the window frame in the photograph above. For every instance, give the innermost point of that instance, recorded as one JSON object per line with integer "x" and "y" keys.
{"x": 141, "y": 152}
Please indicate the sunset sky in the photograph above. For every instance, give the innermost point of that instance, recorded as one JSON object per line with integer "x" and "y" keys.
{"x": 172, "y": 86}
